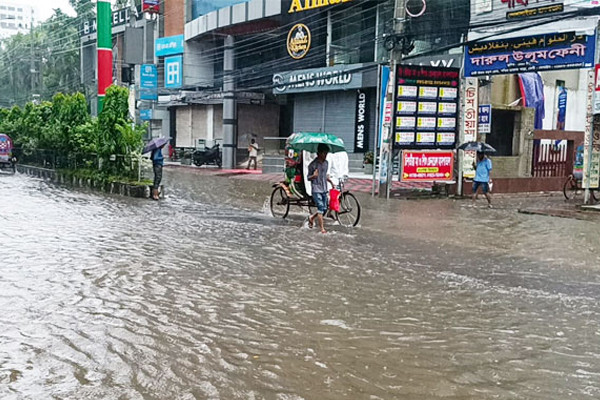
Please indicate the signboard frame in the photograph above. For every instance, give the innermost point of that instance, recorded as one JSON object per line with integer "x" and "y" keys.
{"x": 426, "y": 107}
{"x": 543, "y": 52}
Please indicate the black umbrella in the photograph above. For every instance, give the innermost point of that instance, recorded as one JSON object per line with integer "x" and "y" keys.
{"x": 479, "y": 147}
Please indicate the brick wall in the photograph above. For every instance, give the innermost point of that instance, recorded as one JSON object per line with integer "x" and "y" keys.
{"x": 174, "y": 11}
{"x": 505, "y": 167}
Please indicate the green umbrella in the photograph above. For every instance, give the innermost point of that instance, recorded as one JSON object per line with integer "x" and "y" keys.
{"x": 309, "y": 141}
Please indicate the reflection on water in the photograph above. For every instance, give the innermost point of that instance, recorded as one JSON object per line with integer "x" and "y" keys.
{"x": 205, "y": 296}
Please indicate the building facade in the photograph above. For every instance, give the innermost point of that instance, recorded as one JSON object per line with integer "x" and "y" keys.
{"x": 16, "y": 17}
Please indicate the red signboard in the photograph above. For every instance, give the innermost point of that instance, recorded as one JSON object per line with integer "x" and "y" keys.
{"x": 427, "y": 166}
{"x": 151, "y": 6}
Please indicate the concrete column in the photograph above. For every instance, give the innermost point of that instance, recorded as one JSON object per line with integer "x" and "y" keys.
{"x": 229, "y": 106}
{"x": 210, "y": 126}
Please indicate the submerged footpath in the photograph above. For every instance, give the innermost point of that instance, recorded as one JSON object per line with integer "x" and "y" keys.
{"x": 550, "y": 204}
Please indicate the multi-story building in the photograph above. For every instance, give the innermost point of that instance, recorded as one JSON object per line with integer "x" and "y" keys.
{"x": 16, "y": 17}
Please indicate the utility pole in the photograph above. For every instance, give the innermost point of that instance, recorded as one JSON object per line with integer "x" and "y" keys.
{"x": 387, "y": 155}
{"x": 32, "y": 71}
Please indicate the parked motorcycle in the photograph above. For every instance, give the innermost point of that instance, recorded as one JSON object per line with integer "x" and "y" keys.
{"x": 209, "y": 156}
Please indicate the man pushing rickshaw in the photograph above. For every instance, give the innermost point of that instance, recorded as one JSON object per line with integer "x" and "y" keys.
{"x": 314, "y": 160}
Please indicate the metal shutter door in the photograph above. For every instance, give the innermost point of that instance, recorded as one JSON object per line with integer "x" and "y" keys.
{"x": 308, "y": 112}
{"x": 339, "y": 116}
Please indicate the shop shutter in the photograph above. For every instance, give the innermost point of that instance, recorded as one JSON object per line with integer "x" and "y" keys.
{"x": 308, "y": 112}
{"x": 339, "y": 116}
{"x": 183, "y": 125}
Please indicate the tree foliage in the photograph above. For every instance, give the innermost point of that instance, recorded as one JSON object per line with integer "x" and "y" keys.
{"x": 64, "y": 126}
{"x": 43, "y": 62}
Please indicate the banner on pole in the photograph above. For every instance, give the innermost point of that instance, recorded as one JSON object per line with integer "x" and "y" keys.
{"x": 148, "y": 82}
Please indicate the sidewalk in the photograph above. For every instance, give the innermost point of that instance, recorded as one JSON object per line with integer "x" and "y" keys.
{"x": 361, "y": 183}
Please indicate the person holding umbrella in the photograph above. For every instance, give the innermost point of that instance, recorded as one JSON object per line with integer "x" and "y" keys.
{"x": 482, "y": 167}
{"x": 155, "y": 147}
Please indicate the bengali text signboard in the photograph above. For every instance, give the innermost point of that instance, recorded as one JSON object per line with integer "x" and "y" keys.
{"x": 427, "y": 166}
{"x": 426, "y": 107}
{"x": 532, "y": 53}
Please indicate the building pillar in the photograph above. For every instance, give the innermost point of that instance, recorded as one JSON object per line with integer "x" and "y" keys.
{"x": 229, "y": 106}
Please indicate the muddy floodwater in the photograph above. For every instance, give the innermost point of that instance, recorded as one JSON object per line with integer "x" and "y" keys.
{"x": 204, "y": 295}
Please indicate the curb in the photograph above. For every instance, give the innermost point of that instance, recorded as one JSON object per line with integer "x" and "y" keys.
{"x": 120, "y": 188}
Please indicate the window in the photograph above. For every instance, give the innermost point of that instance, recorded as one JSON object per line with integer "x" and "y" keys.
{"x": 173, "y": 72}
{"x": 20, "y": 9}
{"x": 353, "y": 35}
{"x": 503, "y": 127}
{"x": 11, "y": 9}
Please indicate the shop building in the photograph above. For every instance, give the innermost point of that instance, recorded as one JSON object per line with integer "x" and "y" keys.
{"x": 277, "y": 47}
{"x": 534, "y": 73}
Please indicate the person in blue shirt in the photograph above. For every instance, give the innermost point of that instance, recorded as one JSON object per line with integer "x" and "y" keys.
{"x": 482, "y": 177}
{"x": 157, "y": 166}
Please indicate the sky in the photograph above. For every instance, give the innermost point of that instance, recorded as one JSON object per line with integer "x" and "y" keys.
{"x": 46, "y": 7}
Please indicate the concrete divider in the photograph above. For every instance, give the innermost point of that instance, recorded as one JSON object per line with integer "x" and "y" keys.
{"x": 121, "y": 188}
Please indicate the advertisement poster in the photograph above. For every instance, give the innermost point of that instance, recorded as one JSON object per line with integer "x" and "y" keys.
{"x": 485, "y": 119}
{"x": 589, "y": 129}
{"x": 405, "y": 122}
{"x": 425, "y": 138}
{"x": 406, "y": 107}
{"x": 148, "y": 82}
{"x": 470, "y": 119}
{"x": 405, "y": 138}
{"x": 151, "y": 6}
{"x": 468, "y": 160}
{"x": 532, "y": 53}
{"x": 427, "y": 166}
{"x": 447, "y": 108}
{"x": 428, "y": 107}
{"x": 426, "y": 104}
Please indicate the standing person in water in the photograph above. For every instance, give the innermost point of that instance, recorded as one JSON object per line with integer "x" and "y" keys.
{"x": 157, "y": 165}
{"x": 482, "y": 177}
{"x": 252, "y": 153}
{"x": 317, "y": 175}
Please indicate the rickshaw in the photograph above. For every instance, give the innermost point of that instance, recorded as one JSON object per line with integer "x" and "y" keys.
{"x": 7, "y": 159}
{"x": 292, "y": 191}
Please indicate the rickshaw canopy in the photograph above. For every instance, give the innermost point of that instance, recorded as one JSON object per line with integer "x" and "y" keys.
{"x": 310, "y": 141}
{"x": 6, "y": 145}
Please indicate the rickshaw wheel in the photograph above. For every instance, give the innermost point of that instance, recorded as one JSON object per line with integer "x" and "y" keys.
{"x": 349, "y": 214}
{"x": 571, "y": 188}
{"x": 280, "y": 203}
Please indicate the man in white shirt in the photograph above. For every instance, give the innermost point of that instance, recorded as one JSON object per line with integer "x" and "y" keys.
{"x": 252, "y": 153}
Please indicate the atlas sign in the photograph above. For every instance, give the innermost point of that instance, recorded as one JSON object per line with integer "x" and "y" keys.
{"x": 305, "y": 5}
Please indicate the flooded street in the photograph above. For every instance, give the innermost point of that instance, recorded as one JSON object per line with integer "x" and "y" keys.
{"x": 205, "y": 296}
